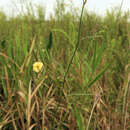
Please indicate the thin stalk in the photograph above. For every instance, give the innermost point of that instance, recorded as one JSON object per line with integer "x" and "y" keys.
{"x": 76, "y": 47}
{"x": 78, "y": 41}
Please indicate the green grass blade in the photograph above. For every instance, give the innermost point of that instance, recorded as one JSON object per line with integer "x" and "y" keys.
{"x": 98, "y": 76}
{"x": 79, "y": 118}
{"x": 49, "y": 45}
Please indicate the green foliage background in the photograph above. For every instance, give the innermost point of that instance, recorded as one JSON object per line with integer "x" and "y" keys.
{"x": 98, "y": 78}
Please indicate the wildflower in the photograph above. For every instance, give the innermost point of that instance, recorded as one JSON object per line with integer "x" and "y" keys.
{"x": 43, "y": 50}
{"x": 37, "y": 66}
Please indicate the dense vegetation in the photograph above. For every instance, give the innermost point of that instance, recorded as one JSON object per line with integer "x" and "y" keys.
{"x": 96, "y": 92}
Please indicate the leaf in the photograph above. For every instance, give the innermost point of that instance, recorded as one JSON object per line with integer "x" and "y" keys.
{"x": 98, "y": 76}
{"x": 63, "y": 32}
{"x": 2, "y": 43}
{"x": 79, "y": 118}
{"x": 49, "y": 45}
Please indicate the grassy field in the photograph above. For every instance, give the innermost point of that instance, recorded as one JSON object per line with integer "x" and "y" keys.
{"x": 84, "y": 83}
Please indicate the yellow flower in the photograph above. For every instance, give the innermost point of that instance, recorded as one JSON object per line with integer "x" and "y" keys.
{"x": 37, "y": 66}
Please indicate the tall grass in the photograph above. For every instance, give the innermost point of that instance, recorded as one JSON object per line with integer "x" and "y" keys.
{"x": 96, "y": 88}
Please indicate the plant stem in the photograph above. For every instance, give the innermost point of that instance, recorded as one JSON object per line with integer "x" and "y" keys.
{"x": 77, "y": 44}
